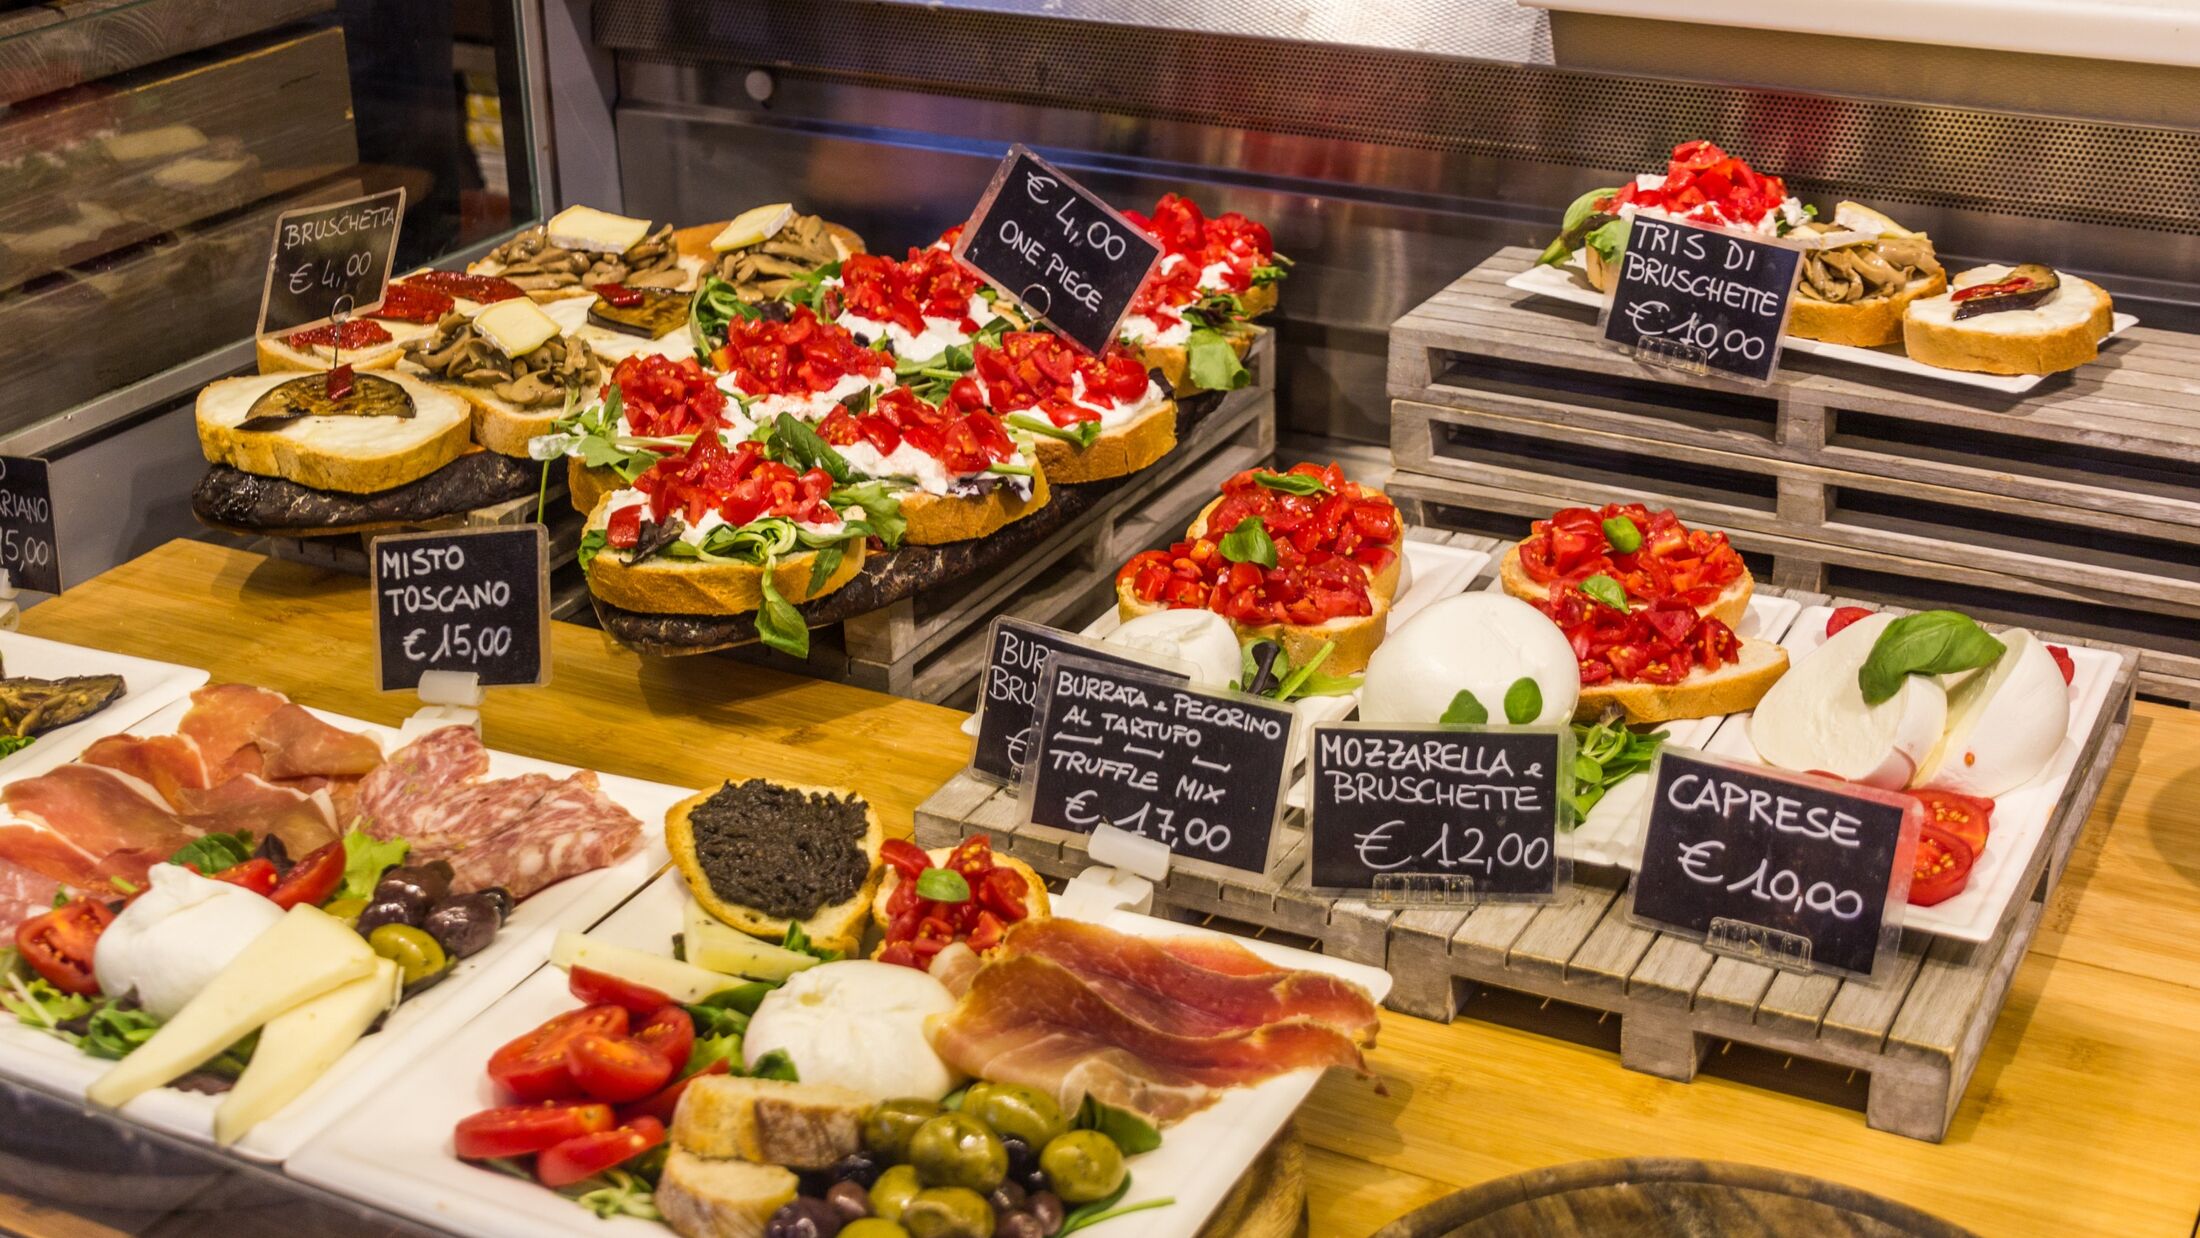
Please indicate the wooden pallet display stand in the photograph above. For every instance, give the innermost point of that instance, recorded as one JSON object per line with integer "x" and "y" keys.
{"x": 2074, "y": 507}
{"x": 1917, "y": 1034}
{"x": 931, "y": 646}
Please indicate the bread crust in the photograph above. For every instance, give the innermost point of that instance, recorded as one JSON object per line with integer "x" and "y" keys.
{"x": 1356, "y": 636}
{"x": 1731, "y": 689}
{"x": 694, "y": 241}
{"x": 1118, "y": 452}
{"x": 1383, "y": 581}
{"x": 671, "y": 587}
{"x": 936, "y": 519}
{"x": 276, "y": 357}
{"x": 498, "y": 424}
{"x": 1869, "y": 323}
{"x": 587, "y": 486}
{"x": 1175, "y": 361}
{"x": 835, "y": 926}
{"x": 275, "y": 453}
{"x": 1728, "y": 608}
{"x": 1954, "y": 346}
{"x": 700, "y": 1196}
{"x": 1260, "y": 298}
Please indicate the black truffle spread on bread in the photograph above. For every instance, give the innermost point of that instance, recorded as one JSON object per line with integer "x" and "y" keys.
{"x": 782, "y": 851}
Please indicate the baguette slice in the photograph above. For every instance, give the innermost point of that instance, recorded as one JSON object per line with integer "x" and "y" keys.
{"x": 770, "y": 1121}
{"x": 702, "y": 1198}
{"x": 837, "y": 926}
{"x": 664, "y": 586}
{"x": 1735, "y": 687}
{"x": 2061, "y": 333}
{"x": 1728, "y": 608}
{"x": 277, "y": 356}
{"x": 1356, "y": 636}
{"x": 356, "y": 455}
{"x": 1118, "y": 452}
{"x": 1260, "y": 298}
{"x": 1383, "y": 583}
{"x": 694, "y": 242}
{"x": 1036, "y": 905}
{"x": 1869, "y": 323}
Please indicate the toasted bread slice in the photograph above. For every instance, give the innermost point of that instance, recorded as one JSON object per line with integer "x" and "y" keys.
{"x": 277, "y": 356}
{"x": 694, "y": 242}
{"x": 1356, "y": 636}
{"x": 500, "y": 425}
{"x": 2061, "y": 333}
{"x": 1728, "y": 608}
{"x": 935, "y": 519}
{"x": 770, "y": 1121}
{"x": 356, "y": 455}
{"x": 1735, "y": 687}
{"x": 1383, "y": 582}
{"x": 1118, "y": 452}
{"x": 588, "y": 486}
{"x": 1260, "y": 298}
{"x": 703, "y": 1198}
{"x": 1868, "y": 323}
{"x": 1036, "y": 905}
{"x": 836, "y": 926}
{"x": 674, "y": 587}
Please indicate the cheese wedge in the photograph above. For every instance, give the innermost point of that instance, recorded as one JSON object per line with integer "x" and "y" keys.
{"x": 1815, "y": 719}
{"x": 682, "y": 982}
{"x": 299, "y": 1045}
{"x": 517, "y": 327}
{"x": 713, "y": 944}
{"x": 309, "y": 953}
{"x": 586, "y": 228}
{"x": 754, "y": 226}
{"x": 2004, "y": 723}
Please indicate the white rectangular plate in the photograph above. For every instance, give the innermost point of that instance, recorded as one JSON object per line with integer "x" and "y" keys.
{"x": 1571, "y": 283}
{"x": 394, "y": 1151}
{"x": 414, "y": 1027}
{"x": 2020, "y": 817}
{"x": 147, "y": 686}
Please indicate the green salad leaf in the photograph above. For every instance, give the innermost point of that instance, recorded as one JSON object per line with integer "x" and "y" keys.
{"x": 1606, "y": 754}
{"x": 365, "y": 859}
{"x": 1129, "y": 1131}
{"x": 1212, "y": 361}
{"x": 1930, "y": 642}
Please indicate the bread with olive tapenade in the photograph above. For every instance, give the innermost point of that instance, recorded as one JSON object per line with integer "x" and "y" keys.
{"x": 763, "y": 855}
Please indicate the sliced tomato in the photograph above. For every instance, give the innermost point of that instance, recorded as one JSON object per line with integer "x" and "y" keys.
{"x": 1942, "y": 867}
{"x": 2063, "y": 663}
{"x": 618, "y": 1069}
{"x": 312, "y": 879}
{"x": 597, "y": 988}
{"x": 523, "y": 1130}
{"x": 585, "y": 1155}
{"x": 662, "y": 1104}
{"x": 59, "y": 944}
{"x": 1003, "y": 892}
{"x": 905, "y": 857}
{"x": 670, "y": 1034}
{"x": 1844, "y": 616}
{"x": 1968, "y": 817}
{"x": 532, "y": 1067}
{"x": 256, "y": 874}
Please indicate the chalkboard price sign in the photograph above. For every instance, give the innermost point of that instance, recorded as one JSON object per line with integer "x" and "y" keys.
{"x": 461, "y": 601}
{"x": 329, "y": 261}
{"x": 1200, "y": 771}
{"x": 27, "y": 546}
{"x": 1061, "y": 252}
{"x": 1008, "y": 692}
{"x": 1702, "y": 299}
{"x": 1789, "y": 870}
{"x": 1434, "y": 814}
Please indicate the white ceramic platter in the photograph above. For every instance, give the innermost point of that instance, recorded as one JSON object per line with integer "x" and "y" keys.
{"x": 2020, "y": 817}
{"x": 414, "y": 1027}
{"x": 147, "y": 686}
{"x": 1570, "y": 282}
{"x": 394, "y": 1151}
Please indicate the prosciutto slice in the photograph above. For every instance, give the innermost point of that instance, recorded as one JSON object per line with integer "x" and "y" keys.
{"x": 167, "y": 763}
{"x": 295, "y": 744}
{"x": 82, "y": 824}
{"x": 1193, "y": 985}
{"x": 305, "y": 822}
{"x": 23, "y": 895}
{"x": 223, "y": 720}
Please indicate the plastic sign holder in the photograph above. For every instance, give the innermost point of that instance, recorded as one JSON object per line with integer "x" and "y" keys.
{"x": 1794, "y": 871}
{"x": 447, "y": 698}
{"x": 1125, "y": 870}
{"x": 1438, "y": 815}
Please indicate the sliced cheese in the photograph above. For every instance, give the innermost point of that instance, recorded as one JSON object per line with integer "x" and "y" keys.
{"x": 682, "y": 982}
{"x": 1815, "y": 718}
{"x": 713, "y": 944}
{"x": 306, "y": 955}
{"x": 516, "y": 327}
{"x": 754, "y": 226}
{"x": 586, "y": 228}
{"x": 2004, "y": 723}
{"x": 300, "y": 1044}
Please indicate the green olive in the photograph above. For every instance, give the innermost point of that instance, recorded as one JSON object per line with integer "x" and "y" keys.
{"x": 1013, "y": 1109}
{"x": 948, "y": 1212}
{"x": 346, "y": 909}
{"x": 1083, "y": 1166}
{"x": 873, "y": 1227}
{"x": 887, "y": 1128}
{"x": 893, "y": 1191}
{"x": 955, "y": 1149}
{"x": 418, "y": 956}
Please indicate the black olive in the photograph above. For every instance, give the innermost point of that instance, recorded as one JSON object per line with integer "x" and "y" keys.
{"x": 849, "y": 1198}
{"x": 274, "y": 852}
{"x": 463, "y": 925}
{"x": 503, "y": 899}
{"x": 428, "y": 882}
{"x": 387, "y": 911}
{"x": 861, "y": 1168}
{"x": 1022, "y": 1157}
{"x": 1046, "y": 1208}
{"x": 1007, "y": 1197}
{"x": 1019, "y": 1225}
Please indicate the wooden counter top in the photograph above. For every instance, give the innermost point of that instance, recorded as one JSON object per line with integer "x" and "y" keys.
{"x": 2082, "y": 1118}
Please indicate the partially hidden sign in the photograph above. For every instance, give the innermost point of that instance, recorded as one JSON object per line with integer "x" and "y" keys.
{"x": 27, "y": 547}
{"x": 330, "y": 261}
{"x": 1008, "y": 691}
{"x": 1071, "y": 259}
{"x": 1437, "y": 814}
{"x": 1200, "y": 771}
{"x": 1703, "y": 299}
{"x": 1788, "y": 870}
{"x": 472, "y": 601}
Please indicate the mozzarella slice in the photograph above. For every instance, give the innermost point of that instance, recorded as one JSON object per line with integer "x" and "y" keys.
{"x": 1477, "y": 642}
{"x": 754, "y": 226}
{"x": 586, "y": 228}
{"x": 299, "y": 1045}
{"x": 859, "y": 1025}
{"x": 2004, "y": 723}
{"x": 1815, "y": 718}
{"x": 517, "y": 327}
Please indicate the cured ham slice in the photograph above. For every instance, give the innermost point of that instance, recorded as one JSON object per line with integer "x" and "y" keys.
{"x": 223, "y": 720}
{"x": 167, "y": 763}
{"x": 1191, "y": 985}
{"x": 305, "y": 822}
{"x": 82, "y": 824}
{"x": 295, "y": 744}
{"x": 23, "y": 895}
{"x": 1032, "y": 1021}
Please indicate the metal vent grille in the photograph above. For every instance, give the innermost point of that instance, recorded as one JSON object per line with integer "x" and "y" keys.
{"x": 2038, "y": 167}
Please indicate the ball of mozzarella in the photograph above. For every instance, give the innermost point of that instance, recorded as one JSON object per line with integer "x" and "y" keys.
{"x": 1477, "y": 642}
{"x": 177, "y": 936}
{"x": 1201, "y": 639}
{"x": 858, "y": 1024}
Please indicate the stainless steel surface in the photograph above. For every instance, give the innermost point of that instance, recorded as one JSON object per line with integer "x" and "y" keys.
{"x": 1488, "y": 29}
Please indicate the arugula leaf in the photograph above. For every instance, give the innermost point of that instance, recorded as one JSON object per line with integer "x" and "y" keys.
{"x": 709, "y": 1050}
{"x": 793, "y": 440}
{"x": 1249, "y": 543}
{"x": 1084, "y": 434}
{"x": 778, "y": 623}
{"x": 592, "y": 544}
{"x": 715, "y": 305}
{"x": 365, "y": 859}
{"x": 1605, "y": 755}
{"x": 39, "y": 1004}
{"x": 1292, "y": 483}
{"x": 1129, "y": 1131}
{"x": 1603, "y": 588}
{"x": 799, "y": 941}
{"x": 114, "y": 1033}
{"x": 1466, "y": 709}
{"x": 882, "y": 516}
{"x": 775, "y": 1065}
{"x": 1930, "y": 642}
{"x": 1212, "y": 361}
{"x": 742, "y": 998}
{"x": 1523, "y": 701}
{"x": 1303, "y": 681}
{"x": 809, "y": 290}
{"x": 213, "y": 853}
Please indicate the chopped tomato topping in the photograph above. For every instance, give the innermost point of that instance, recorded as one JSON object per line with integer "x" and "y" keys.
{"x": 964, "y": 440}
{"x": 1706, "y": 185}
{"x": 801, "y": 356}
{"x": 1348, "y": 519}
{"x": 928, "y": 284}
{"x": 1035, "y": 372}
{"x": 1191, "y": 242}
{"x": 1673, "y": 561}
{"x": 665, "y": 397}
{"x": 350, "y": 335}
{"x": 738, "y": 483}
{"x": 1303, "y": 588}
{"x": 1660, "y": 641}
{"x": 918, "y": 928}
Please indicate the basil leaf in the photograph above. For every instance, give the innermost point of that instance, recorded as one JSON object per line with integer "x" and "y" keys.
{"x": 824, "y": 561}
{"x": 1292, "y": 483}
{"x": 775, "y": 1065}
{"x": 1465, "y": 708}
{"x": 1212, "y": 361}
{"x": 1129, "y": 1131}
{"x": 793, "y": 440}
{"x": 1249, "y": 543}
{"x": 943, "y": 885}
{"x": 1523, "y": 701}
{"x": 1625, "y": 536}
{"x": 1606, "y": 590}
{"x": 213, "y": 853}
{"x": 1930, "y": 642}
{"x": 778, "y": 623}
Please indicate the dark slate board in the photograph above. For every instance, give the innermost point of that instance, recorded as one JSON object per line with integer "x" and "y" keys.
{"x": 229, "y": 498}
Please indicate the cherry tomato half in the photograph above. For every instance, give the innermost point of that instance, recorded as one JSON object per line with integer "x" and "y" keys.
{"x": 670, "y": 1034}
{"x": 597, "y": 988}
{"x": 1942, "y": 867}
{"x": 1968, "y": 817}
{"x": 566, "y": 1163}
{"x": 617, "y": 1069}
{"x": 523, "y": 1130}
{"x": 59, "y": 944}
{"x": 1844, "y": 616}
{"x": 532, "y": 1067}
{"x": 661, "y": 1105}
{"x": 312, "y": 879}
{"x": 256, "y": 874}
